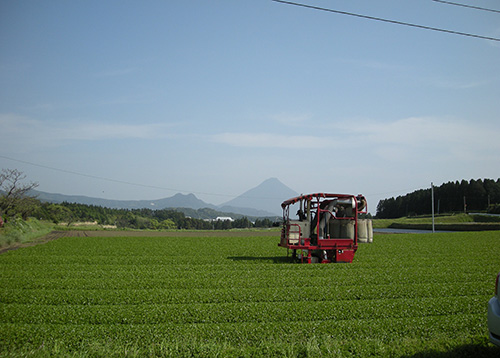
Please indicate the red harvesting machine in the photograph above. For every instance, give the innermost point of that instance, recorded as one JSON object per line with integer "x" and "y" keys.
{"x": 327, "y": 228}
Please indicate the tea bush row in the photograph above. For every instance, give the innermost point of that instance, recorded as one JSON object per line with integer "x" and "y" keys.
{"x": 129, "y": 296}
{"x": 241, "y": 295}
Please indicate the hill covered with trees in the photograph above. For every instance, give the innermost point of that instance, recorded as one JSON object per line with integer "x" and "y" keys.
{"x": 17, "y": 204}
{"x": 143, "y": 218}
{"x": 451, "y": 197}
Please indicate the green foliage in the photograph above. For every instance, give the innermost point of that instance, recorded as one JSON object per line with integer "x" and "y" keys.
{"x": 404, "y": 295}
{"x": 265, "y": 222}
{"x": 55, "y": 213}
{"x": 18, "y": 231}
{"x": 14, "y": 201}
{"x": 475, "y": 195}
{"x": 141, "y": 219}
{"x": 14, "y": 198}
{"x": 242, "y": 223}
{"x": 494, "y": 209}
{"x": 486, "y": 218}
{"x": 167, "y": 224}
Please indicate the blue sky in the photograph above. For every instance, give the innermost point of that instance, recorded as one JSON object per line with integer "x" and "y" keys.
{"x": 214, "y": 97}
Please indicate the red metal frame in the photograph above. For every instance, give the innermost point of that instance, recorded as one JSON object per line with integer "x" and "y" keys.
{"x": 329, "y": 249}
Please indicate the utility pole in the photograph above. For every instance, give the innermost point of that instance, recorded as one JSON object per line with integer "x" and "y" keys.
{"x": 432, "y": 198}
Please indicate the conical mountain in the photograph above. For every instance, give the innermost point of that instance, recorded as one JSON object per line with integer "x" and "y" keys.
{"x": 267, "y": 196}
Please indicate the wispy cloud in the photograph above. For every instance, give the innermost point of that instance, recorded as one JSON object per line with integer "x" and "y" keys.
{"x": 112, "y": 100}
{"x": 291, "y": 119}
{"x": 23, "y": 131}
{"x": 270, "y": 140}
{"x": 100, "y": 131}
{"x": 418, "y": 135}
{"x": 421, "y": 130}
{"x": 400, "y": 140}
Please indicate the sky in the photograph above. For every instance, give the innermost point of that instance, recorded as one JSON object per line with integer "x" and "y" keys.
{"x": 145, "y": 99}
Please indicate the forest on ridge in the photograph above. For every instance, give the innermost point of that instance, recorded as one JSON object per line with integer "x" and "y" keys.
{"x": 451, "y": 197}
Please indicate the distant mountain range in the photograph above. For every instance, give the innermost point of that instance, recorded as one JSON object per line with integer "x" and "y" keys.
{"x": 261, "y": 201}
{"x": 267, "y": 196}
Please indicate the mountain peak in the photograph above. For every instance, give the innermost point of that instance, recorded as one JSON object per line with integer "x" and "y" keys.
{"x": 263, "y": 200}
{"x": 267, "y": 196}
{"x": 272, "y": 181}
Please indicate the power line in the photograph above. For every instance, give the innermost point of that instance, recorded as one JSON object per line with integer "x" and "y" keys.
{"x": 133, "y": 184}
{"x": 468, "y": 6}
{"x": 389, "y": 21}
{"x": 164, "y": 188}
{"x": 110, "y": 179}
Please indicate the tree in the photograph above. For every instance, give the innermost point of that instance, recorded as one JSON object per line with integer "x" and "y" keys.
{"x": 58, "y": 213}
{"x": 266, "y": 222}
{"x": 450, "y": 197}
{"x": 14, "y": 198}
{"x": 242, "y": 223}
{"x": 167, "y": 224}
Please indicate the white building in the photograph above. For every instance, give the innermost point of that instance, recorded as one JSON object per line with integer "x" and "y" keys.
{"x": 224, "y": 218}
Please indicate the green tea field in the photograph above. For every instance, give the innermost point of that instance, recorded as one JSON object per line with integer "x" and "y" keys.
{"x": 405, "y": 295}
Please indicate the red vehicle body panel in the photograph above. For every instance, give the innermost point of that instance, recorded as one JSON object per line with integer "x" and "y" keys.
{"x": 314, "y": 237}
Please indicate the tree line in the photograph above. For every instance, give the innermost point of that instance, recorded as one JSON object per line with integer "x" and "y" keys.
{"x": 15, "y": 202}
{"x": 451, "y": 197}
{"x": 152, "y": 219}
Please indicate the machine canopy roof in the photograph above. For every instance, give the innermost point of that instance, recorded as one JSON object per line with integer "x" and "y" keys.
{"x": 315, "y": 195}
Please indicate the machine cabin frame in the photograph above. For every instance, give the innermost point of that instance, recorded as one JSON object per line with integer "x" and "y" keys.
{"x": 327, "y": 228}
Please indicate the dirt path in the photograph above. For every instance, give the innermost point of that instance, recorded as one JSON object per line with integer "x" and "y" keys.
{"x": 53, "y": 235}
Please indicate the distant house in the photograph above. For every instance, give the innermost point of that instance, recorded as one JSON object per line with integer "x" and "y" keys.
{"x": 224, "y": 218}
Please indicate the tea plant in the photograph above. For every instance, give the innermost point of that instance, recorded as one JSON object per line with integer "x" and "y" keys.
{"x": 159, "y": 296}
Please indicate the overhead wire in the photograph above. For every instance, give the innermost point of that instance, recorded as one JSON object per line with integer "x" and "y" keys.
{"x": 110, "y": 179}
{"x": 467, "y": 6}
{"x": 165, "y": 188}
{"x": 389, "y": 21}
{"x": 132, "y": 183}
